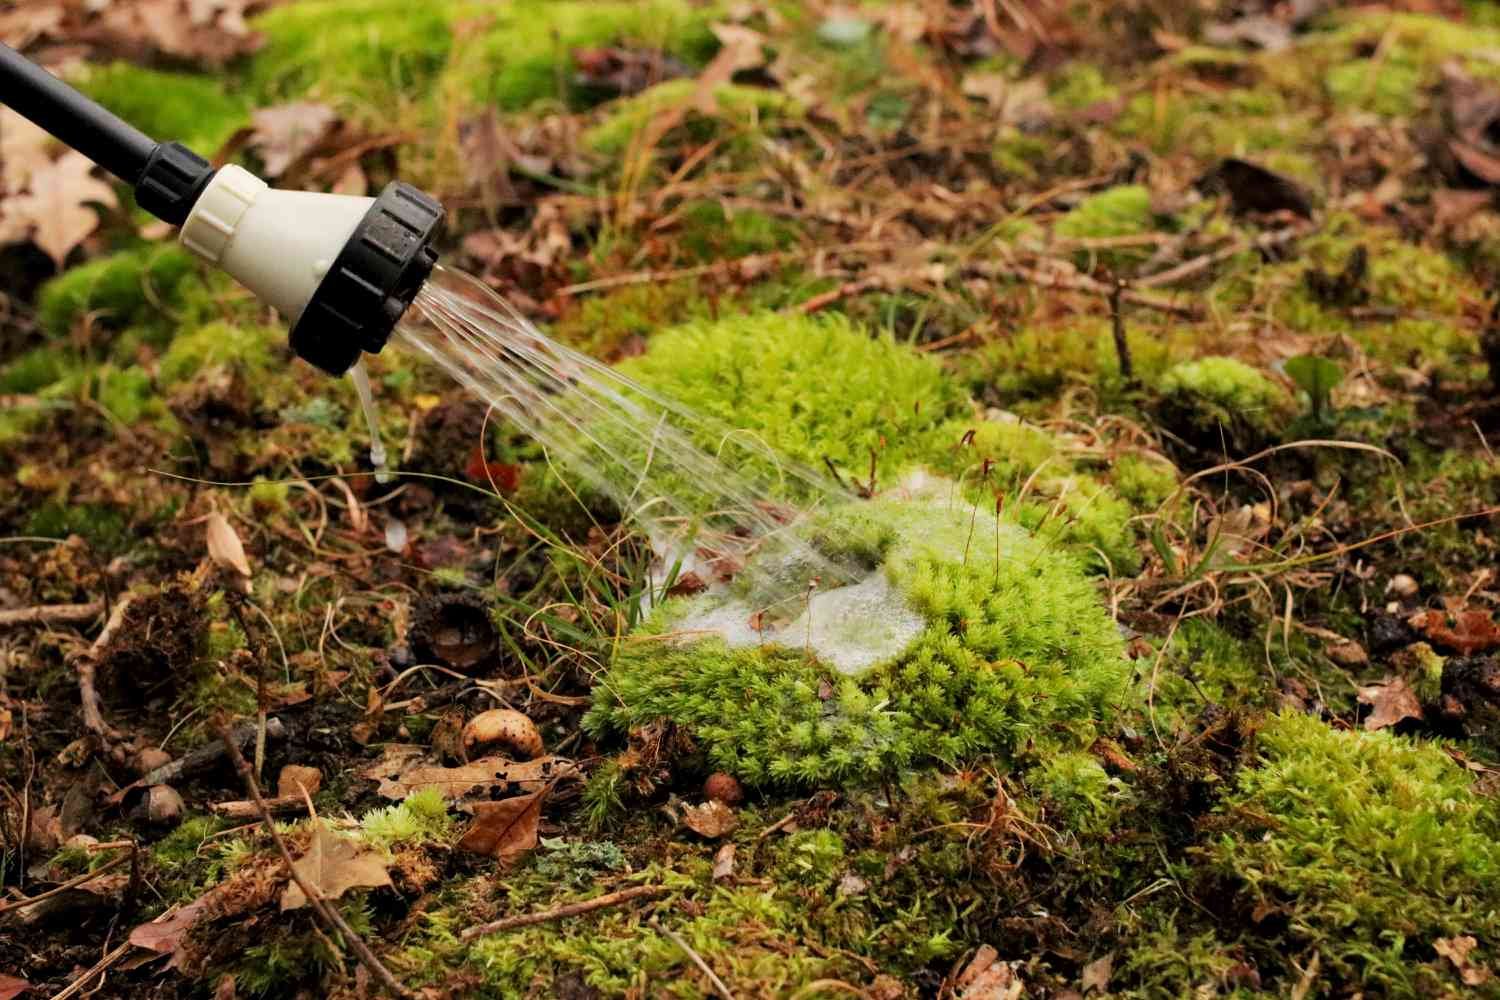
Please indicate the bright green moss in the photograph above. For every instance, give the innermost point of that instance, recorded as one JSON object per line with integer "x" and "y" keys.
{"x": 1081, "y": 84}
{"x": 524, "y": 54}
{"x": 421, "y": 817}
{"x": 708, "y": 233}
{"x": 248, "y": 349}
{"x": 1014, "y": 656}
{"x": 812, "y": 388}
{"x": 742, "y": 107}
{"x": 1119, "y": 211}
{"x": 1372, "y": 847}
{"x": 1391, "y": 62}
{"x": 35, "y": 370}
{"x": 129, "y": 394}
{"x": 151, "y": 287}
{"x": 352, "y": 51}
{"x": 269, "y": 497}
{"x": 196, "y": 110}
{"x": 1214, "y": 397}
{"x": 105, "y": 528}
{"x": 1215, "y": 123}
{"x": 1144, "y": 483}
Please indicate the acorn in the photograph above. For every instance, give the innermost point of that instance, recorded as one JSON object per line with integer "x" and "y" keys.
{"x": 502, "y": 728}
{"x": 724, "y": 788}
{"x": 161, "y": 806}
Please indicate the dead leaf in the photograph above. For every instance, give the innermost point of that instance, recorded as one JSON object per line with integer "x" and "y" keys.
{"x": 24, "y": 149}
{"x": 294, "y": 779}
{"x": 988, "y": 978}
{"x": 740, "y": 49}
{"x": 713, "y": 819}
{"x": 622, "y": 71}
{"x": 1456, "y": 950}
{"x": 404, "y": 770}
{"x": 165, "y": 934}
{"x": 724, "y": 862}
{"x": 507, "y": 829}
{"x": 1348, "y": 654}
{"x": 284, "y": 134}
{"x": 56, "y": 206}
{"x": 333, "y": 865}
{"x": 5, "y": 722}
{"x": 24, "y": 23}
{"x": 224, "y": 546}
{"x": 11, "y": 987}
{"x": 1096, "y": 974}
{"x": 1465, "y": 632}
{"x": 1390, "y": 702}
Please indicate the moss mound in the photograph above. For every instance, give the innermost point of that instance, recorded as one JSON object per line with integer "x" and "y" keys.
{"x": 1372, "y": 848}
{"x": 816, "y": 389}
{"x": 1012, "y": 655}
{"x": 133, "y": 288}
{"x": 1214, "y": 401}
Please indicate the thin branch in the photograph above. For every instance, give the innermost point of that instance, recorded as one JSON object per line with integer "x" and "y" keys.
{"x": 87, "y": 666}
{"x": 72, "y": 883}
{"x": 52, "y": 614}
{"x": 562, "y": 912}
{"x": 677, "y": 939}
{"x": 99, "y": 968}
{"x": 330, "y": 915}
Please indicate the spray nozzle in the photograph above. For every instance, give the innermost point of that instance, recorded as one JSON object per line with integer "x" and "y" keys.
{"x": 341, "y": 269}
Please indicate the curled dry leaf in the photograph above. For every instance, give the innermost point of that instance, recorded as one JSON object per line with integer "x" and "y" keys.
{"x": 724, "y": 862}
{"x": 224, "y": 546}
{"x": 333, "y": 865}
{"x": 502, "y": 728}
{"x": 296, "y": 778}
{"x": 1389, "y": 702}
{"x": 1096, "y": 974}
{"x": 1466, "y": 632}
{"x": 12, "y": 987}
{"x": 712, "y": 819}
{"x": 988, "y": 978}
{"x": 55, "y": 209}
{"x": 404, "y": 770}
{"x": 507, "y": 829}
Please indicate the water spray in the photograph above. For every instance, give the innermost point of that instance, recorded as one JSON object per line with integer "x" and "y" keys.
{"x": 347, "y": 273}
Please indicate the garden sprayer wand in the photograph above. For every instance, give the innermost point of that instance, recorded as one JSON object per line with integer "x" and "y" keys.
{"x": 341, "y": 269}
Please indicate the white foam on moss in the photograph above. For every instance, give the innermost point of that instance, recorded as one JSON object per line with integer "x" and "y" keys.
{"x": 851, "y": 628}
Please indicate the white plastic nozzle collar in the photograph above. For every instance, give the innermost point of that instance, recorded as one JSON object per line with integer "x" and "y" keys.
{"x": 278, "y": 244}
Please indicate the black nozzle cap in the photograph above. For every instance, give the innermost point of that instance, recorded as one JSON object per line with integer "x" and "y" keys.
{"x": 373, "y": 281}
{"x": 172, "y": 180}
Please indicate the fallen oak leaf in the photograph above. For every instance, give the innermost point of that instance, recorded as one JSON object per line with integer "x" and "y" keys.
{"x": 1468, "y": 632}
{"x": 505, "y": 830}
{"x": 334, "y": 865}
{"x": 1390, "y": 703}
{"x": 713, "y": 819}
{"x": 12, "y": 987}
{"x": 405, "y": 770}
{"x": 56, "y": 205}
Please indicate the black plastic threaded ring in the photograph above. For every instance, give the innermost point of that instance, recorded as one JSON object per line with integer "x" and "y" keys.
{"x": 373, "y": 280}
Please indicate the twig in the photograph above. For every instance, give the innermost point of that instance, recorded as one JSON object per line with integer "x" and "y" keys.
{"x": 1117, "y": 323}
{"x": 1080, "y": 283}
{"x": 687, "y": 949}
{"x": 97, "y": 969}
{"x": 848, "y": 289}
{"x": 72, "y": 883}
{"x": 248, "y": 809}
{"x": 87, "y": 666}
{"x": 199, "y": 760}
{"x": 52, "y": 614}
{"x": 330, "y": 915}
{"x": 1188, "y": 268}
{"x": 562, "y": 912}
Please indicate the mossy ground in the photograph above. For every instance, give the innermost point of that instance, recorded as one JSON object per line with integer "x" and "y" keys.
{"x": 1133, "y": 747}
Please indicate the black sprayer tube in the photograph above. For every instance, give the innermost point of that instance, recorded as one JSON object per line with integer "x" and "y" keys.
{"x": 115, "y": 145}
{"x": 167, "y": 176}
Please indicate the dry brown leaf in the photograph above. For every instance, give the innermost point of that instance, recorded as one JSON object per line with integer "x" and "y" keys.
{"x": 724, "y": 862}
{"x": 333, "y": 865}
{"x": 1456, "y": 950}
{"x": 404, "y": 770}
{"x": 12, "y": 986}
{"x": 284, "y": 134}
{"x": 56, "y": 208}
{"x": 740, "y": 49}
{"x": 24, "y": 149}
{"x": 988, "y": 978}
{"x": 713, "y": 819}
{"x": 224, "y": 546}
{"x": 507, "y": 829}
{"x": 296, "y": 778}
{"x": 1465, "y": 632}
{"x": 24, "y": 23}
{"x": 6, "y": 721}
{"x": 1389, "y": 702}
{"x": 1096, "y": 974}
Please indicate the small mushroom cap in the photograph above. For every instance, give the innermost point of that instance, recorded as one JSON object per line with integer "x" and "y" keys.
{"x": 502, "y": 727}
